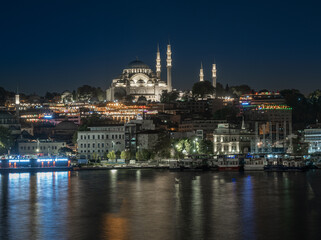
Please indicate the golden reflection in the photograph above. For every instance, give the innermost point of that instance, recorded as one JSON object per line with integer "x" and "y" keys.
{"x": 115, "y": 226}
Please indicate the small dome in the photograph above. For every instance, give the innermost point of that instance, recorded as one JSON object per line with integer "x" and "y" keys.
{"x": 138, "y": 64}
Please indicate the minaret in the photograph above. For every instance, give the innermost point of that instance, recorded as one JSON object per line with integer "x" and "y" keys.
{"x": 214, "y": 75}
{"x": 158, "y": 63}
{"x": 201, "y": 73}
{"x": 243, "y": 123}
{"x": 169, "y": 67}
{"x": 17, "y": 103}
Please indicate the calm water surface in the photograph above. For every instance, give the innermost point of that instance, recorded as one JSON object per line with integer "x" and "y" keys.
{"x": 147, "y": 204}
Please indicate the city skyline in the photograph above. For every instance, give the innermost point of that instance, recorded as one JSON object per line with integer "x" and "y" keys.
{"x": 57, "y": 47}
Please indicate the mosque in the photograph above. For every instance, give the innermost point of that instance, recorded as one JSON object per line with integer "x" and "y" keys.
{"x": 138, "y": 79}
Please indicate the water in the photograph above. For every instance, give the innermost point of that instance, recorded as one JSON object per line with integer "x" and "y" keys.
{"x": 147, "y": 204}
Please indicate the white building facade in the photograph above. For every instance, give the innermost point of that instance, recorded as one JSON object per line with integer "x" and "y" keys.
{"x": 101, "y": 140}
{"x": 312, "y": 136}
{"x": 42, "y": 147}
{"x": 228, "y": 140}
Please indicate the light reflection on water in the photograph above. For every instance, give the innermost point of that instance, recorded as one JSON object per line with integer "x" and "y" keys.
{"x": 149, "y": 204}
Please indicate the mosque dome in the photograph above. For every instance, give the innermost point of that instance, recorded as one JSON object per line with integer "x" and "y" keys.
{"x": 138, "y": 64}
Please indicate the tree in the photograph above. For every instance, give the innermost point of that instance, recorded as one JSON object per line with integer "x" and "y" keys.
{"x": 168, "y": 97}
{"x": 6, "y": 140}
{"x": 219, "y": 91}
{"x": 117, "y": 154}
{"x": 163, "y": 147}
{"x": 226, "y": 113}
{"x": 65, "y": 151}
{"x": 240, "y": 90}
{"x": 143, "y": 155}
{"x": 94, "y": 156}
{"x": 111, "y": 155}
{"x": 100, "y": 94}
{"x": 315, "y": 95}
{"x": 201, "y": 89}
{"x": 125, "y": 155}
{"x": 206, "y": 147}
{"x": 302, "y": 110}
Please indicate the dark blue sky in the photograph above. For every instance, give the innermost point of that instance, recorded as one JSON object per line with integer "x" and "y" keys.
{"x": 59, "y": 45}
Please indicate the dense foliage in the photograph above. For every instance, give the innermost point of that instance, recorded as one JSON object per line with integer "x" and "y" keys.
{"x": 6, "y": 140}
{"x": 202, "y": 89}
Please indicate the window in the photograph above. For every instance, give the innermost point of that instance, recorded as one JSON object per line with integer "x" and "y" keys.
{"x": 98, "y": 136}
{"x": 106, "y": 136}
{"x": 98, "y": 145}
{"x": 88, "y": 136}
{"x": 93, "y": 145}
{"x": 93, "y": 136}
{"x": 28, "y": 148}
{"x": 102, "y": 136}
{"x": 112, "y": 136}
{"x": 119, "y": 136}
{"x": 102, "y": 145}
{"x": 84, "y": 137}
{"x": 81, "y": 137}
{"x": 88, "y": 145}
{"x": 81, "y": 145}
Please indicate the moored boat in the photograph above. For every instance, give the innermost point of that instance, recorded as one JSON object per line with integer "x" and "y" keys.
{"x": 229, "y": 164}
{"x": 254, "y": 164}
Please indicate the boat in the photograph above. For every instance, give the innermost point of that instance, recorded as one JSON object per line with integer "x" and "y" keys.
{"x": 229, "y": 163}
{"x": 189, "y": 164}
{"x": 254, "y": 164}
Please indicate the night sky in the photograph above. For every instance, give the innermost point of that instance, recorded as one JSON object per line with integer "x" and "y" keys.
{"x": 58, "y": 45}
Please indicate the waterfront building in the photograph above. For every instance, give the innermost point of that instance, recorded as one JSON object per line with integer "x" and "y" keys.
{"x": 11, "y": 122}
{"x": 227, "y": 139}
{"x": 100, "y": 140}
{"x": 65, "y": 130}
{"x": 271, "y": 120}
{"x": 40, "y": 147}
{"x": 201, "y": 127}
{"x": 141, "y": 134}
{"x": 147, "y": 139}
{"x": 209, "y": 105}
{"x": 312, "y": 136}
{"x": 139, "y": 80}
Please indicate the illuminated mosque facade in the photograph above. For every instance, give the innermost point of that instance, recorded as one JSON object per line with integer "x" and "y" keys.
{"x": 138, "y": 79}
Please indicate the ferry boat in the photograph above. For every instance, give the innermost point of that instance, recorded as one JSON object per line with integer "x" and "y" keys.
{"x": 286, "y": 165}
{"x": 254, "y": 164}
{"x": 229, "y": 163}
{"x": 17, "y": 164}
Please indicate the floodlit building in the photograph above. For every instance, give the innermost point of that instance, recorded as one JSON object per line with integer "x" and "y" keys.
{"x": 100, "y": 140}
{"x": 312, "y": 136}
{"x": 138, "y": 79}
{"x": 228, "y": 139}
{"x": 41, "y": 147}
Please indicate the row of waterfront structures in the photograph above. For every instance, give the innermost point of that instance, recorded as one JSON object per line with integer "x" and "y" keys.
{"x": 136, "y": 116}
